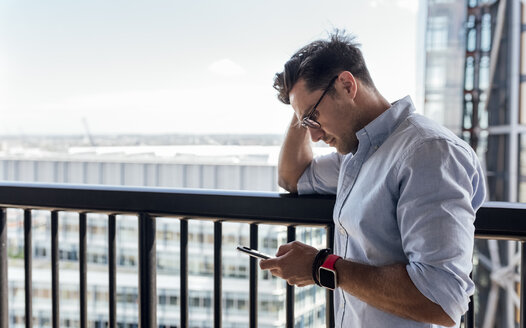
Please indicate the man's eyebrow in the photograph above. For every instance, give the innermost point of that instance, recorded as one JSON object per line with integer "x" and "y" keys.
{"x": 307, "y": 111}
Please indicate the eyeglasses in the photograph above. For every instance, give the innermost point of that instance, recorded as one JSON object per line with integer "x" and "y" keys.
{"x": 308, "y": 121}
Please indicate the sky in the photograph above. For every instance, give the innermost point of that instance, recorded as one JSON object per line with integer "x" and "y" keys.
{"x": 155, "y": 67}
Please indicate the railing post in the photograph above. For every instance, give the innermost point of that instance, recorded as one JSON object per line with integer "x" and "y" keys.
{"x": 253, "y": 289}
{"x": 28, "y": 268}
{"x": 83, "y": 271}
{"x": 184, "y": 273}
{"x": 218, "y": 234}
{"x": 291, "y": 236}
{"x": 112, "y": 272}
{"x": 523, "y": 281}
{"x": 329, "y": 294}
{"x": 4, "y": 291}
{"x": 469, "y": 317}
{"x": 55, "y": 286}
{"x": 147, "y": 272}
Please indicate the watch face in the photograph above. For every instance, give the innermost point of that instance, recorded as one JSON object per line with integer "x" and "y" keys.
{"x": 327, "y": 278}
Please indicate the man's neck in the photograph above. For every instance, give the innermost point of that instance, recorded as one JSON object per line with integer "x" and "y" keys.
{"x": 372, "y": 103}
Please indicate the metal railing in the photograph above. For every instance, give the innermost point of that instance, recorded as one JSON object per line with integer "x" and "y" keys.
{"x": 494, "y": 221}
{"x": 148, "y": 204}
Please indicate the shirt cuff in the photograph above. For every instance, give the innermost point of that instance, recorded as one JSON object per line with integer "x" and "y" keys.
{"x": 442, "y": 288}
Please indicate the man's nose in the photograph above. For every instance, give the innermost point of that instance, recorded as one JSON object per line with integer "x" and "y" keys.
{"x": 316, "y": 134}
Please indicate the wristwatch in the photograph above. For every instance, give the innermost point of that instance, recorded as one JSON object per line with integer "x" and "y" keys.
{"x": 327, "y": 272}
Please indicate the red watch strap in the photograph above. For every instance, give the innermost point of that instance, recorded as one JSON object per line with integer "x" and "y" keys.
{"x": 329, "y": 261}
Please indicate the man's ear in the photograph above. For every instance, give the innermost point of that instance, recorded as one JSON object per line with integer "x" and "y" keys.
{"x": 349, "y": 83}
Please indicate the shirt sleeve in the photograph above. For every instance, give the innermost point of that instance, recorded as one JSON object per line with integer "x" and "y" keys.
{"x": 321, "y": 176}
{"x": 441, "y": 186}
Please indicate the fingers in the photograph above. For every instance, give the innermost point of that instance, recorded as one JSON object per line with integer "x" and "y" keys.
{"x": 285, "y": 248}
{"x": 299, "y": 283}
{"x": 277, "y": 272}
{"x": 293, "y": 263}
{"x": 292, "y": 281}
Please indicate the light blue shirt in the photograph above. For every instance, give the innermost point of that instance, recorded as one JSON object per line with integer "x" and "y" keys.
{"x": 408, "y": 195}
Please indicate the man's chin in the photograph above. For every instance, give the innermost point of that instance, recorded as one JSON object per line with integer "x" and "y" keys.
{"x": 340, "y": 147}
{"x": 343, "y": 150}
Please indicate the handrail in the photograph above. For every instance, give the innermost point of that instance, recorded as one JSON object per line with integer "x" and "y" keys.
{"x": 232, "y": 205}
{"x": 501, "y": 220}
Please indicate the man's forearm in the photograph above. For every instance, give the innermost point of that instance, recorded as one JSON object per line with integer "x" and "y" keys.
{"x": 390, "y": 289}
{"x": 295, "y": 156}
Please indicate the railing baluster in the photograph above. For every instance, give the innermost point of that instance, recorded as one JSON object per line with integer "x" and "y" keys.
{"x": 184, "y": 272}
{"x": 147, "y": 272}
{"x": 291, "y": 236}
{"x": 112, "y": 271}
{"x": 4, "y": 291}
{"x": 55, "y": 292}
{"x": 253, "y": 289}
{"x": 523, "y": 287}
{"x": 217, "y": 273}
{"x": 329, "y": 294}
{"x": 83, "y": 271}
{"x": 469, "y": 316}
{"x": 28, "y": 268}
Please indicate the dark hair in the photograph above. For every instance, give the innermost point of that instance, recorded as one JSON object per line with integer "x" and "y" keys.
{"x": 318, "y": 62}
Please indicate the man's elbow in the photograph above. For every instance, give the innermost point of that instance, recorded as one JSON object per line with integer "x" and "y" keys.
{"x": 445, "y": 320}
{"x": 435, "y": 314}
{"x": 289, "y": 186}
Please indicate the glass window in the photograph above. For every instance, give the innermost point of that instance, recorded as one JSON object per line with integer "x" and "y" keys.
{"x": 436, "y": 77}
{"x": 471, "y": 39}
{"x": 437, "y": 32}
{"x": 497, "y": 167}
{"x": 470, "y": 73}
{"x": 485, "y": 42}
{"x": 484, "y": 73}
{"x": 468, "y": 111}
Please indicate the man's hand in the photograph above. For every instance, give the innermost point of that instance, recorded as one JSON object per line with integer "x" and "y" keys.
{"x": 293, "y": 263}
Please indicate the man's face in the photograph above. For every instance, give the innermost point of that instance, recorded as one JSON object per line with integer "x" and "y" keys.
{"x": 334, "y": 114}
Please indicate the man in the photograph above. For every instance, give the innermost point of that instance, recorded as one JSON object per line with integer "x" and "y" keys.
{"x": 406, "y": 191}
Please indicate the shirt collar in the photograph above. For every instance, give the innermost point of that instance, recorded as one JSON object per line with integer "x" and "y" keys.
{"x": 381, "y": 127}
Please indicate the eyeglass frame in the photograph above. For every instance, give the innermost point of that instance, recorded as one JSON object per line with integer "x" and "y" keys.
{"x": 307, "y": 121}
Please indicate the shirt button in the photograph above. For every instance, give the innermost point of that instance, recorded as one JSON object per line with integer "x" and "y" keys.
{"x": 342, "y": 230}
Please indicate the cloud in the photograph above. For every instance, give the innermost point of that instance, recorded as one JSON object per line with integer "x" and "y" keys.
{"x": 226, "y": 67}
{"x": 411, "y": 5}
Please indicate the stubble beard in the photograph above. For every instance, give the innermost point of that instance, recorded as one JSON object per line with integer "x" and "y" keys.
{"x": 347, "y": 145}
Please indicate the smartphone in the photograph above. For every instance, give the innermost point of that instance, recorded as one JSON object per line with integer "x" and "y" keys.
{"x": 253, "y": 252}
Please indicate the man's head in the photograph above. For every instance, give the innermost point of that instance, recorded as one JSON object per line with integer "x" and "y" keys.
{"x": 330, "y": 90}
{"x": 318, "y": 62}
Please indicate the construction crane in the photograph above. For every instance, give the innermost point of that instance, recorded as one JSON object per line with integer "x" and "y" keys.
{"x": 87, "y": 133}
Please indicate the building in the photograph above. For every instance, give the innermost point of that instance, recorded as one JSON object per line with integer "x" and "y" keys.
{"x": 444, "y": 62}
{"x": 474, "y": 63}
{"x": 217, "y": 167}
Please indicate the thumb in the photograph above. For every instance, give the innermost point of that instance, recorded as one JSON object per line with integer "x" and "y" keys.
{"x": 268, "y": 264}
